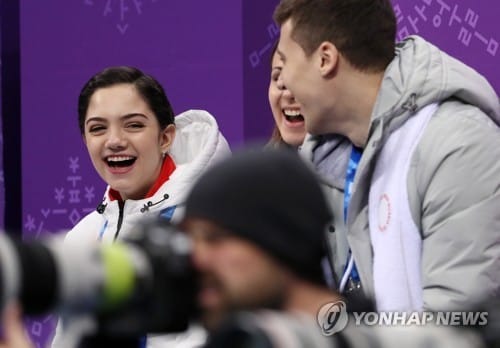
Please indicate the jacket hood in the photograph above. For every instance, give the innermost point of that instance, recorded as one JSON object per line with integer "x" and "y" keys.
{"x": 198, "y": 143}
{"x": 421, "y": 74}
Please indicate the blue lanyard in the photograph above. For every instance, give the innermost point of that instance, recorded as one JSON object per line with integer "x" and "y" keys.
{"x": 354, "y": 160}
{"x": 349, "y": 177}
{"x": 103, "y": 229}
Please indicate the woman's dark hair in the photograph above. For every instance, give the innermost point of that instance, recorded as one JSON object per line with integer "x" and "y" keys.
{"x": 276, "y": 140}
{"x": 150, "y": 90}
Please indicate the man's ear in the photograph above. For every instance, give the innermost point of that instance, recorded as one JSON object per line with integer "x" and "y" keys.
{"x": 329, "y": 57}
{"x": 167, "y": 137}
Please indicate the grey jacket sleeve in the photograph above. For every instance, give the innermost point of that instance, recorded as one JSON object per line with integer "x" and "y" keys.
{"x": 455, "y": 195}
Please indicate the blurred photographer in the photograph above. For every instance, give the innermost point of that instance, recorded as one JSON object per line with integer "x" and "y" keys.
{"x": 257, "y": 223}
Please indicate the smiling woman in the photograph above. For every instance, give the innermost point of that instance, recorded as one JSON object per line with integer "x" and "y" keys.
{"x": 289, "y": 129}
{"x": 127, "y": 123}
{"x": 148, "y": 158}
{"x": 125, "y": 141}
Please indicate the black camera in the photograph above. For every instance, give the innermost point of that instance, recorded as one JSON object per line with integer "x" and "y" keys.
{"x": 144, "y": 284}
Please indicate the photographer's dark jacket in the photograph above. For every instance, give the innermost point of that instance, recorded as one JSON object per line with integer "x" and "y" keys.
{"x": 448, "y": 194}
{"x": 197, "y": 145}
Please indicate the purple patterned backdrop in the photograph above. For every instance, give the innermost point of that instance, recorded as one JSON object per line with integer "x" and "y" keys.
{"x": 259, "y": 34}
{"x": 465, "y": 29}
{"x": 211, "y": 55}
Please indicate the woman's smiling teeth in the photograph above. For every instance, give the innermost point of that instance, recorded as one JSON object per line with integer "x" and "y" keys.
{"x": 120, "y": 161}
{"x": 293, "y": 115}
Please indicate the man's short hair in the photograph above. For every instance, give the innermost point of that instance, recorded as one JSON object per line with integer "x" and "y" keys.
{"x": 364, "y": 31}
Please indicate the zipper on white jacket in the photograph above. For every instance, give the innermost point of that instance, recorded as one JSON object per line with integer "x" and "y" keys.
{"x": 121, "y": 208}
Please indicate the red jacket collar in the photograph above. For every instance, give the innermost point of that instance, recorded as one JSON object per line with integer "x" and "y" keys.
{"x": 167, "y": 169}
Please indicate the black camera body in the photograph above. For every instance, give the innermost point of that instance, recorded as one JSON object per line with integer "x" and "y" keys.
{"x": 164, "y": 301}
{"x": 143, "y": 284}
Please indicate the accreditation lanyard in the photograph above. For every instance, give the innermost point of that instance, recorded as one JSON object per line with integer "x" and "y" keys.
{"x": 350, "y": 270}
{"x": 143, "y": 342}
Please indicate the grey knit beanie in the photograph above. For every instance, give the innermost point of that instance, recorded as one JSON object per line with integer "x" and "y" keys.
{"x": 271, "y": 198}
